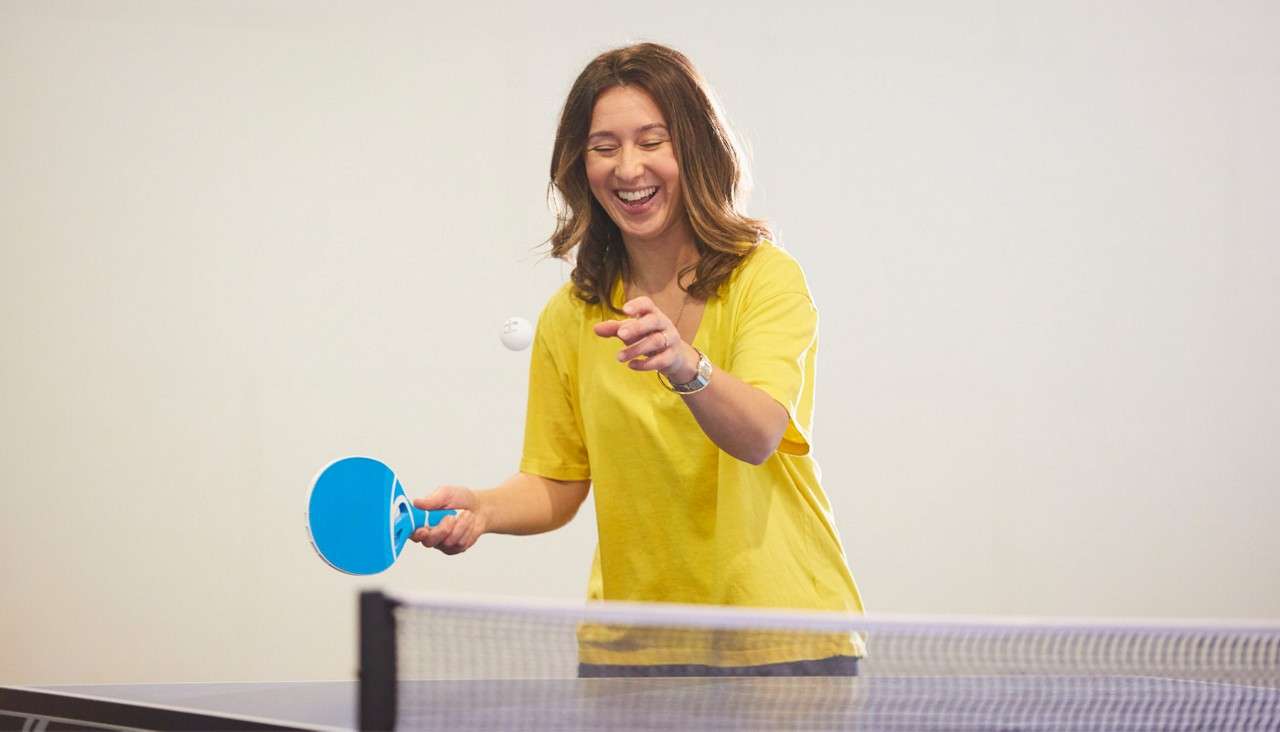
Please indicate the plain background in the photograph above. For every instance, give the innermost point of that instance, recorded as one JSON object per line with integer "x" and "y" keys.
{"x": 240, "y": 239}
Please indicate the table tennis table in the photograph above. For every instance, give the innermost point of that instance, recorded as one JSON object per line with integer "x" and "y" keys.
{"x": 871, "y": 703}
{"x": 453, "y": 663}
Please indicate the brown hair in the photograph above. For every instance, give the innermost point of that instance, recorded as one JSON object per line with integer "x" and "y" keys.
{"x": 713, "y": 173}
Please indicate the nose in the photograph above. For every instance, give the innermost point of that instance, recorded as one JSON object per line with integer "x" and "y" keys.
{"x": 630, "y": 165}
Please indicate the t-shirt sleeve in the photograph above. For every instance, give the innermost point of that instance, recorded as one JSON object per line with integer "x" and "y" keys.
{"x": 775, "y": 345}
{"x": 553, "y": 443}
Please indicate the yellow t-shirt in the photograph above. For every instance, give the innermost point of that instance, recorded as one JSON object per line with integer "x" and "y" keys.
{"x": 679, "y": 520}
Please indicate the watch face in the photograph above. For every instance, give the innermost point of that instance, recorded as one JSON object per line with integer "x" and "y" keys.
{"x": 704, "y": 367}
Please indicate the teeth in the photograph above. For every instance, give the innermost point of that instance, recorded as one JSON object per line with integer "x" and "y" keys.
{"x": 633, "y": 196}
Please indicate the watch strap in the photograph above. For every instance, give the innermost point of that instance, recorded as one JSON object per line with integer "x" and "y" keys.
{"x": 700, "y": 381}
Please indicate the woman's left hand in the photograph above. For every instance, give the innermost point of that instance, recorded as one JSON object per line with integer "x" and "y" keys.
{"x": 653, "y": 342}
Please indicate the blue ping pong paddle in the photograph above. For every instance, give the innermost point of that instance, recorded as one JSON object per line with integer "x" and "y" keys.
{"x": 359, "y": 518}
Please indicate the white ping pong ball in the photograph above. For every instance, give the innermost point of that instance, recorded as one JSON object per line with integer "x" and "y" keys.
{"x": 516, "y": 334}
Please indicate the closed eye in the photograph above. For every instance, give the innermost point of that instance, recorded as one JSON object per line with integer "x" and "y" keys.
{"x": 610, "y": 149}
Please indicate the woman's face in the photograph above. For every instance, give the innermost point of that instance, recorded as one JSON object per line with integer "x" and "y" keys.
{"x": 631, "y": 165}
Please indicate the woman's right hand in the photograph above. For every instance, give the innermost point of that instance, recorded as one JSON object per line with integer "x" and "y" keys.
{"x": 454, "y": 534}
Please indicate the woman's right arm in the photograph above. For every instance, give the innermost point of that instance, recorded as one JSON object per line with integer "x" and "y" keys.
{"x": 522, "y": 504}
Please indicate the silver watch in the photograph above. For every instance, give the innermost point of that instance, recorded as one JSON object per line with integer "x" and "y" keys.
{"x": 700, "y": 380}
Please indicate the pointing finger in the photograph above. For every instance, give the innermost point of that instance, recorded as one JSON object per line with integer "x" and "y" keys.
{"x": 608, "y": 328}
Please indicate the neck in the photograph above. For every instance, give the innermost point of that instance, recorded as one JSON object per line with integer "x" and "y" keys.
{"x": 655, "y": 264}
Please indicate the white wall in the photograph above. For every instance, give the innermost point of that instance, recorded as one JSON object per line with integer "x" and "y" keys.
{"x": 240, "y": 239}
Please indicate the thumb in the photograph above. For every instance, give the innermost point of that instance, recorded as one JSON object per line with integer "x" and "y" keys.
{"x": 446, "y": 496}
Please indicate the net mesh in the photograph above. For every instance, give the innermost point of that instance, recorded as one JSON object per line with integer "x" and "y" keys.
{"x": 487, "y": 665}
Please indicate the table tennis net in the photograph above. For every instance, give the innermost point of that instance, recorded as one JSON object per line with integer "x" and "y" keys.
{"x": 471, "y": 664}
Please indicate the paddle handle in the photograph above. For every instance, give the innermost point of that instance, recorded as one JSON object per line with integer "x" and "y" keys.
{"x": 429, "y": 518}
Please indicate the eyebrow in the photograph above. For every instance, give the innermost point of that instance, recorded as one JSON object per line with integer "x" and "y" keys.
{"x": 641, "y": 130}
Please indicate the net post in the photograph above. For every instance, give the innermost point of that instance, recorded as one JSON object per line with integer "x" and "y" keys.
{"x": 377, "y": 661}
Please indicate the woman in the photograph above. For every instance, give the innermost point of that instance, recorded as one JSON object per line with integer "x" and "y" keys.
{"x": 675, "y": 372}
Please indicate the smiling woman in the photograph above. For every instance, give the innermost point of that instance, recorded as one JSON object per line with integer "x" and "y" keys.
{"x": 706, "y": 489}
{"x": 628, "y": 169}
{"x": 680, "y": 129}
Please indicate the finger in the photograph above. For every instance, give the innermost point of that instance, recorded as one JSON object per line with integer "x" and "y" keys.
{"x": 629, "y": 331}
{"x": 459, "y": 531}
{"x": 625, "y": 331}
{"x": 650, "y": 346}
{"x": 441, "y": 498}
{"x": 423, "y": 537}
{"x": 632, "y": 331}
{"x": 660, "y": 362}
{"x": 638, "y": 306}
{"x": 456, "y": 541}
{"x": 608, "y": 328}
{"x": 471, "y": 532}
{"x": 474, "y": 532}
{"x": 438, "y": 533}
{"x": 446, "y": 496}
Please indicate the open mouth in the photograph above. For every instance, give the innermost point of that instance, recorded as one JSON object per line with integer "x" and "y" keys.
{"x": 637, "y": 199}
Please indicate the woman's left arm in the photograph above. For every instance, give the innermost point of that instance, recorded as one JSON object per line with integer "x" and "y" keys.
{"x": 741, "y": 419}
